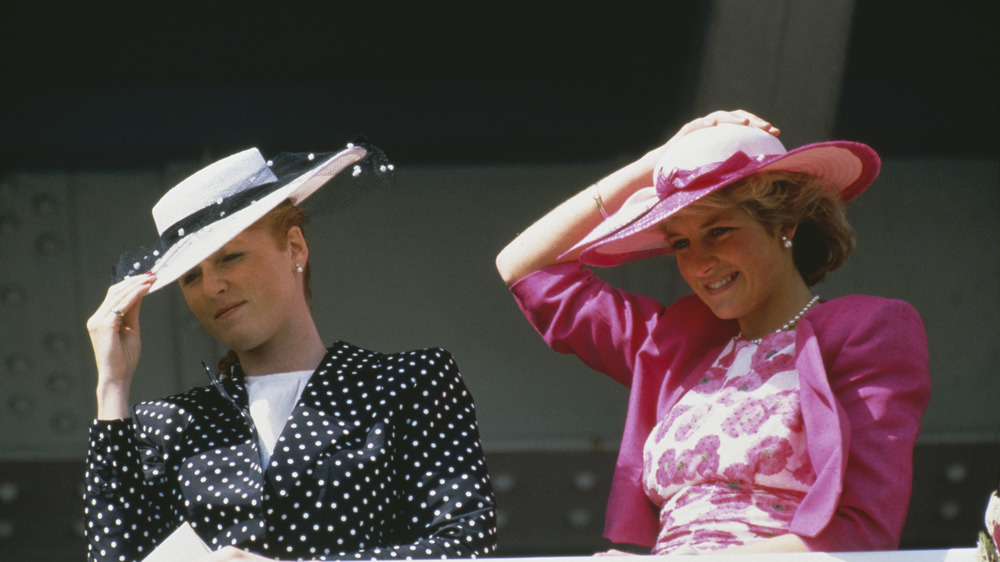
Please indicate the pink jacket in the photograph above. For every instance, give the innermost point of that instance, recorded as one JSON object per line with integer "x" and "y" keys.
{"x": 864, "y": 378}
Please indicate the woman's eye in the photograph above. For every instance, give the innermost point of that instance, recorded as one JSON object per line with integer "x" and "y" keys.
{"x": 719, "y": 231}
{"x": 231, "y": 257}
{"x": 190, "y": 278}
{"x": 679, "y": 244}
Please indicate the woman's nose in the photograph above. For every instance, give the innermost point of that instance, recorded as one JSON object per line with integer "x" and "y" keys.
{"x": 213, "y": 281}
{"x": 702, "y": 258}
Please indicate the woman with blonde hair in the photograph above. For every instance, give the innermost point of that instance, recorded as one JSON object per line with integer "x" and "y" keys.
{"x": 760, "y": 417}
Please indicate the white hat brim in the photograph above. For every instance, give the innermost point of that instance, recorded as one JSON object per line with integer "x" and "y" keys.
{"x": 193, "y": 248}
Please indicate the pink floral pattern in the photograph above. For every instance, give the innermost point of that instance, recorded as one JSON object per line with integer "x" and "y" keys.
{"x": 728, "y": 464}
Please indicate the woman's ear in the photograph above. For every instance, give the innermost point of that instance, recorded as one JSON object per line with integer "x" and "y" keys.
{"x": 788, "y": 231}
{"x": 297, "y": 248}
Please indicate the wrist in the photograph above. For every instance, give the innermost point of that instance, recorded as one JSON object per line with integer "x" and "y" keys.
{"x": 598, "y": 200}
{"x": 609, "y": 193}
{"x": 113, "y": 400}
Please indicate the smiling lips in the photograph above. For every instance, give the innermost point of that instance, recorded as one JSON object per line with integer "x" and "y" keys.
{"x": 226, "y": 309}
{"x": 722, "y": 282}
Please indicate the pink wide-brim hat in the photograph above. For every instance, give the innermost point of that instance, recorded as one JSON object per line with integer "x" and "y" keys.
{"x": 705, "y": 161}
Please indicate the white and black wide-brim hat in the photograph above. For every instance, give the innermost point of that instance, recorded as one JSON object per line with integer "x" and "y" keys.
{"x": 215, "y": 204}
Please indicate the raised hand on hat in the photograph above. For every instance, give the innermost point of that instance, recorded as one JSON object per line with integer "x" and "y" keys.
{"x": 542, "y": 244}
{"x": 114, "y": 335}
{"x": 637, "y": 174}
{"x": 734, "y": 117}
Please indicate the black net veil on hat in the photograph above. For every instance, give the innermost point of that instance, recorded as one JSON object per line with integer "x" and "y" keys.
{"x": 282, "y": 169}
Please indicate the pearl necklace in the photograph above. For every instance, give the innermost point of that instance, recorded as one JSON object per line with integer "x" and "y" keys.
{"x": 788, "y": 325}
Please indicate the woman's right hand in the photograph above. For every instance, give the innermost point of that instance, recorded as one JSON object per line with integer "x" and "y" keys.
{"x": 114, "y": 334}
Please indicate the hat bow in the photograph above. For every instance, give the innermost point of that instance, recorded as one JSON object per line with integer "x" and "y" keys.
{"x": 715, "y": 173}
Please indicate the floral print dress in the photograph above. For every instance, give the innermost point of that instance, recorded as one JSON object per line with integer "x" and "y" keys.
{"x": 728, "y": 464}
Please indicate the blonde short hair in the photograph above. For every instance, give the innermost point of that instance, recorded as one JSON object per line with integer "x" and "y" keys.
{"x": 823, "y": 239}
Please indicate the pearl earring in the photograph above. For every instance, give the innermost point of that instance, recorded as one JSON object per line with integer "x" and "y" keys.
{"x": 786, "y": 242}
{"x": 298, "y": 268}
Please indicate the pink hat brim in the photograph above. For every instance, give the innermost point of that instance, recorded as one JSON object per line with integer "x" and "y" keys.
{"x": 625, "y": 236}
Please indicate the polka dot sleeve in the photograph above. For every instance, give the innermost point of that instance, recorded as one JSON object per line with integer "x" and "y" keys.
{"x": 125, "y": 513}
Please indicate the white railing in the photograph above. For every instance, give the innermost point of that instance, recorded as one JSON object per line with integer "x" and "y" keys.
{"x": 944, "y": 555}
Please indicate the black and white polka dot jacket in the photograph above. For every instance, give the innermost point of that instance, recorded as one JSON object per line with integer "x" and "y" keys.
{"x": 379, "y": 459}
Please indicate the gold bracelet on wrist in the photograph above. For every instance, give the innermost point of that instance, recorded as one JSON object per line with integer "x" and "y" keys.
{"x": 598, "y": 201}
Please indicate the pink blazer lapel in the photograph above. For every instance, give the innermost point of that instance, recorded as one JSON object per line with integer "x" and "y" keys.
{"x": 829, "y": 434}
